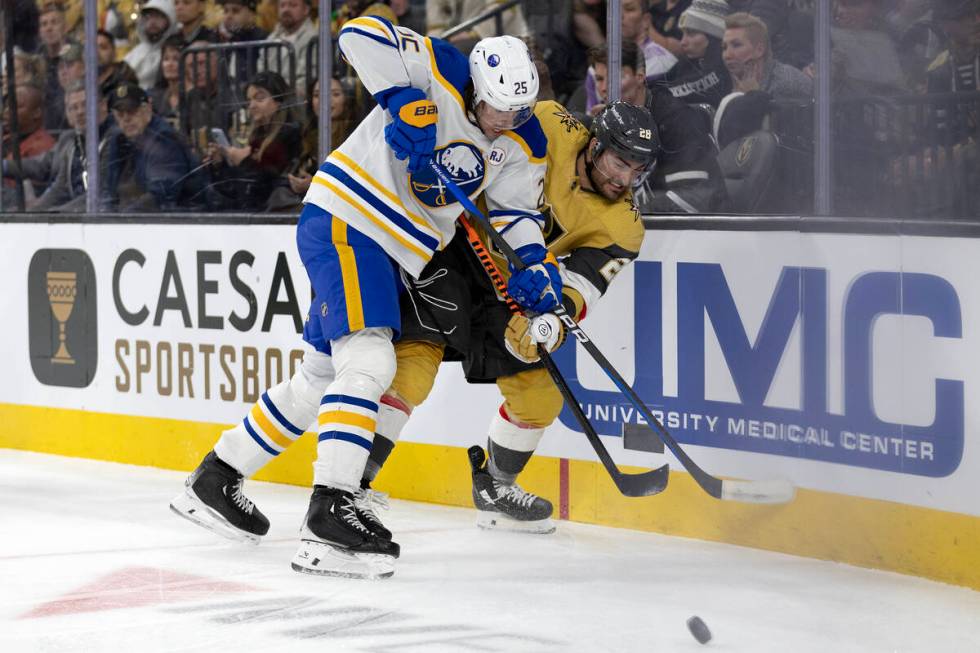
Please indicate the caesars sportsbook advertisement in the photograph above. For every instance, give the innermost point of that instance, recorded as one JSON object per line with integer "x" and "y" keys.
{"x": 841, "y": 362}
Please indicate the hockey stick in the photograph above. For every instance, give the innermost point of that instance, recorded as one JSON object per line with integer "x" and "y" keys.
{"x": 774, "y": 491}
{"x": 631, "y": 485}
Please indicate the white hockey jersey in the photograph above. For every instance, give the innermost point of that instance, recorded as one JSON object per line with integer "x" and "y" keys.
{"x": 412, "y": 216}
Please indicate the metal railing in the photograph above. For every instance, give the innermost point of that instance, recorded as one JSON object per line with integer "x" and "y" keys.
{"x": 495, "y": 14}
{"x": 213, "y": 79}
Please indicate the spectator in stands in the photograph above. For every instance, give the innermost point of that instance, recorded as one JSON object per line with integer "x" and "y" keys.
{"x": 700, "y": 76}
{"x": 33, "y": 138}
{"x": 866, "y": 61}
{"x": 244, "y": 177}
{"x": 53, "y": 39}
{"x": 71, "y": 65}
{"x": 748, "y": 57}
{"x": 636, "y": 27}
{"x": 239, "y": 23}
{"x": 666, "y": 16}
{"x": 190, "y": 18}
{"x": 239, "y": 26}
{"x": 165, "y": 95}
{"x": 65, "y": 165}
{"x": 204, "y": 106}
{"x": 157, "y": 21}
{"x": 632, "y": 75}
{"x": 28, "y": 69}
{"x": 410, "y": 14}
{"x": 150, "y": 166}
{"x": 687, "y": 178}
{"x": 342, "y": 123}
{"x": 296, "y": 27}
{"x": 112, "y": 73}
{"x": 958, "y": 68}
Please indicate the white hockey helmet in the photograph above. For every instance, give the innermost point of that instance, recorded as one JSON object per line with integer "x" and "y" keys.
{"x": 504, "y": 77}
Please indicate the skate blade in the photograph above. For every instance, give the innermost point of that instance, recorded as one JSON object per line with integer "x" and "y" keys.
{"x": 188, "y": 506}
{"x": 496, "y": 521}
{"x": 322, "y": 559}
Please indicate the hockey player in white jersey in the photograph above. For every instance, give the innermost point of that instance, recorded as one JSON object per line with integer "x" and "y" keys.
{"x": 375, "y": 211}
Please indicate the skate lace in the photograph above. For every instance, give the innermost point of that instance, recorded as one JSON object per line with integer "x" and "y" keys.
{"x": 348, "y": 514}
{"x": 514, "y": 493}
{"x": 369, "y": 501}
{"x": 239, "y": 497}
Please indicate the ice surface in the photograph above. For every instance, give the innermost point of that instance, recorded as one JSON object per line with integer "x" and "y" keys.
{"x": 91, "y": 559}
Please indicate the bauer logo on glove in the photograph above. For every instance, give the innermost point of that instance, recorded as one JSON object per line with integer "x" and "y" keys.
{"x": 420, "y": 113}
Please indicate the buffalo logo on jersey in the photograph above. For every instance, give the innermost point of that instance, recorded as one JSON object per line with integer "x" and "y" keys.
{"x": 463, "y": 162}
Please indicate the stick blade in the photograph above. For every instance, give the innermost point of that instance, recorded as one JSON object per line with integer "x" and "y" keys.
{"x": 645, "y": 484}
{"x": 774, "y": 491}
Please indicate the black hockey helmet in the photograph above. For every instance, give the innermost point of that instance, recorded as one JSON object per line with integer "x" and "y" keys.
{"x": 627, "y": 130}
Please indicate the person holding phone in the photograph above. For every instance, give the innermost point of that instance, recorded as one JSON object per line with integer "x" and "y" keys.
{"x": 244, "y": 176}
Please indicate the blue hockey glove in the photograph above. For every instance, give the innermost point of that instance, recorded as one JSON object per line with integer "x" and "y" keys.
{"x": 538, "y": 286}
{"x": 412, "y": 135}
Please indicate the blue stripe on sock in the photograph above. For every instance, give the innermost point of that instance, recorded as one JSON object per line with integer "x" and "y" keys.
{"x": 346, "y": 437}
{"x": 279, "y": 416}
{"x": 257, "y": 438}
{"x": 347, "y": 399}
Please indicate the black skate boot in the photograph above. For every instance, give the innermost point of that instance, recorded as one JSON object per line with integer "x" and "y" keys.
{"x": 506, "y": 506}
{"x": 213, "y": 498}
{"x": 367, "y": 502}
{"x": 334, "y": 542}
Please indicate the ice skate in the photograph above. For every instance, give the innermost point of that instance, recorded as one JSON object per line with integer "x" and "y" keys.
{"x": 334, "y": 542}
{"x": 506, "y": 506}
{"x": 213, "y": 498}
{"x": 367, "y": 502}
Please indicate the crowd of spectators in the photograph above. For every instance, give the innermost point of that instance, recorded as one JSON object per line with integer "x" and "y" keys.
{"x": 213, "y": 105}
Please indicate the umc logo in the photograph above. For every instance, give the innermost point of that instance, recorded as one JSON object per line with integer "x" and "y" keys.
{"x": 856, "y": 433}
{"x": 61, "y": 305}
{"x": 463, "y": 162}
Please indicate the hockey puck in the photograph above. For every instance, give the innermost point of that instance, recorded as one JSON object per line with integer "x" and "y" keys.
{"x": 699, "y": 629}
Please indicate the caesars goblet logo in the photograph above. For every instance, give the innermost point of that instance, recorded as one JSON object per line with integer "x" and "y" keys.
{"x": 62, "y": 287}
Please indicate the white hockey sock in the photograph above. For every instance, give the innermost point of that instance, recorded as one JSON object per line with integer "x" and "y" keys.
{"x": 393, "y": 414}
{"x": 278, "y": 418}
{"x": 365, "y": 362}
{"x": 511, "y": 446}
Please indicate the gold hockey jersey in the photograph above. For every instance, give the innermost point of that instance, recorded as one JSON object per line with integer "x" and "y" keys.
{"x": 593, "y": 237}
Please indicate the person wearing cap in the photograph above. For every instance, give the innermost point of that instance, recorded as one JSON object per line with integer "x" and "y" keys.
{"x": 747, "y": 53}
{"x": 700, "y": 75}
{"x": 158, "y": 20}
{"x": 71, "y": 64}
{"x": 958, "y": 68}
{"x": 151, "y": 167}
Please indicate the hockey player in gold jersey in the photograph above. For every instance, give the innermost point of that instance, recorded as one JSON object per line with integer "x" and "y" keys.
{"x": 593, "y": 228}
